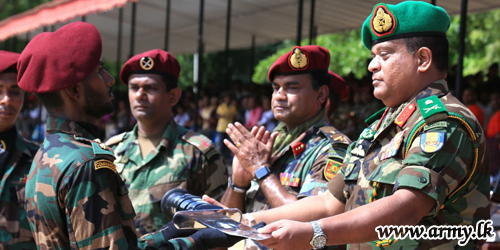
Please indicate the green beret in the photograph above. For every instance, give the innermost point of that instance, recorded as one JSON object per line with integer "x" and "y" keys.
{"x": 406, "y": 19}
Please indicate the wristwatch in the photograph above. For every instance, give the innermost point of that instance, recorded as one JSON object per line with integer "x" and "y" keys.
{"x": 319, "y": 238}
{"x": 262, "y": 172}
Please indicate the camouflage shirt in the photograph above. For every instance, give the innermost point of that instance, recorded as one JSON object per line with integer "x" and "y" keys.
{"x": 399, "y": 151}
{"x": 183, "y": 159}
{"x": 15, "y": 232}
{"x": 75, "y": 199}
{"x": 305, "y": 166}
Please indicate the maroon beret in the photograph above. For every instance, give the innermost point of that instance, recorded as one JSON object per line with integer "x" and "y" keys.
{"x": 338, "y": 85}
{"x": 57, "y": 60}
{"x": 8, "y": 61}
{"x": 155, "y": 61}
{"x": 301, "y": 60}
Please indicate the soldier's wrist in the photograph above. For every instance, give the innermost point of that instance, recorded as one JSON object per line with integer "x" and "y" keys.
{"x": 237, "y": 188}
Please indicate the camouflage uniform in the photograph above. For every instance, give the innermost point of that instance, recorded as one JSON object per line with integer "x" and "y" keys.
{"x": 384, "y": 159}
{"x": 15, "y": 232}
{"x": 301, "y": 166}
{"x": 183, "y": 159}
{"x": 74, "y": 197}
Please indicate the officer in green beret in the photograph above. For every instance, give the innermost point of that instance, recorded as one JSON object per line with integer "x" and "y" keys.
{"x": 421, "y": 161}
{"x": 16, "y": 155}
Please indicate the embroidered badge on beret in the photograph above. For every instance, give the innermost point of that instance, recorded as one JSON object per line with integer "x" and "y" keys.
{"x": 147, "y": 63}
{"x": 383, "y": 21}
{"x": 105, "y": 164}
{"x": 298, "y": 60}
{"x": 431, "y": 142}
{"x": 3, "y": 146}
{"x": 332, "y": 168}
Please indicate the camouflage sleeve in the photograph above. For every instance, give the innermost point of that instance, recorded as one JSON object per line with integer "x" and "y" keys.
{"x": 326, "y": 157}
{"x": 336, "y": 184}
{"x": 213, "y": 175}
{"x": 157, "y": 241}
{"x": 99, "y": 212}
{"x": 437, "y": 172}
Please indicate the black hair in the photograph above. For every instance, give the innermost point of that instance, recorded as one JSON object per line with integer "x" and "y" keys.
{"x": 438, "y": 46}
{"x": 51, "y": 100}
{"x": 319, "y": 79}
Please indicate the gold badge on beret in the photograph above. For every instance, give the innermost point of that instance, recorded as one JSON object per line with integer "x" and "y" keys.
{"x": 383, "y": 21}
{"x": 298, "y": 60}
{"x": 146, "y": 63}
{"x": 3, "y": 146}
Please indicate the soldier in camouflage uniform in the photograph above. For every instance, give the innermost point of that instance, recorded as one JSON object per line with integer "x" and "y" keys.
{"x": 421, "y": 161}
{"x": 159, "y": 155}
{"x": 75, "y": 199}
{"x": 16, "y": 155}
{"x": 307, "y": 152}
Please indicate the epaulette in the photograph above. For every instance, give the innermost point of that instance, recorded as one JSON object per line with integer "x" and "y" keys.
{"x": 375, "y": 116}
{"x": 335, "y": 136}
{"x": 432, "y": 109}
{"x": 116, "y": 139}
{"x": 98, "y": 147}
{"x": 200, "y": 142}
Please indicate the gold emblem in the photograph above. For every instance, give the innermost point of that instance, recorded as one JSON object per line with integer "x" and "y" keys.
{"x": 105, "y": 164}
{"x": 3, "y": 146}
{"x": 382, "y": 22}
{"x": 147, "y": 63}
{"x": 298, "y": 59}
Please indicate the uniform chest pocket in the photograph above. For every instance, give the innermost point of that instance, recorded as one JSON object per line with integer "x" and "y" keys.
{"x": 386, "y": 173}
{"x": 156, "y": 192}
{"x": 351, "y": 171}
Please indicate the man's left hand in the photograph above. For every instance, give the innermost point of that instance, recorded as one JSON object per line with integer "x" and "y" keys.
{"x": 251, "y": 151}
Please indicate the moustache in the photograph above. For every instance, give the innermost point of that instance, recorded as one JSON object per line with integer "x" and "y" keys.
{"x": 4, "y": 108}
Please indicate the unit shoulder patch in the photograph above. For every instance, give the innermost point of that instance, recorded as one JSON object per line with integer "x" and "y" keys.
{"x": 100, "y": 164}
{"x": 332, "y": 167}
{"x": 431, "y": 142}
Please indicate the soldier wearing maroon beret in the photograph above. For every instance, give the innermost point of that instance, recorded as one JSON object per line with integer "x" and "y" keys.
{"x": 307, "y": 150}
{"x": 180, "y": 158}
{"x": 16, "y": 155}
{"x": 75, "y": 197}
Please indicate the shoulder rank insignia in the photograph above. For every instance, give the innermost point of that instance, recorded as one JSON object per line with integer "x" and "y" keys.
{"x": 105, "y": 164}
{"x": 403, "y": 117}
{"x": 298, "y": 148}
{"x": 287, "y": 179}
{"x": 431, "y": 142}
{"x": 391, "y": 149}
{"x": 430, "y": 106}
{"x": 298, "y": 60}
{"x": 331, "y": 169}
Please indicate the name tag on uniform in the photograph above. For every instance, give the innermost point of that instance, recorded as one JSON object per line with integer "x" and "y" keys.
{"x": 391, "y": 149}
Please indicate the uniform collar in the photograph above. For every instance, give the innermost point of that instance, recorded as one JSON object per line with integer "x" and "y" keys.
{"x": 78, "y": 129}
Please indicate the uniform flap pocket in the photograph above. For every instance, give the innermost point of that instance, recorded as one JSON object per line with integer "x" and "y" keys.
{"x": 157, "y": 191}
{"x": 387, "y": 172}
{"x": 351, "y": 170}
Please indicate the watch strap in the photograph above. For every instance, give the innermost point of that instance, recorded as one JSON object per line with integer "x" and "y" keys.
{"x": 235, "y": 188}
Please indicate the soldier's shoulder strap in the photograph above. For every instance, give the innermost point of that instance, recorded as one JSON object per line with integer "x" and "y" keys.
{"x": 200, "y": 142}
{"x": 98, "y": 147}
{"x": 334, "y": 135}
{"x": 433, "y": 110}
{"x": 116, "y": 139}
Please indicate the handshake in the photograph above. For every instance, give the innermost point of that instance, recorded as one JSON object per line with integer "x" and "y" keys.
{"x": 178, "y": 200}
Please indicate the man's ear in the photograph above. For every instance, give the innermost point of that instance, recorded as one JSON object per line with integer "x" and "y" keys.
{"x": 424, "y": 56}
{"x": 75, "y": 91}
{"x": 175, "y": 95}
{"x": 323, "y": 92}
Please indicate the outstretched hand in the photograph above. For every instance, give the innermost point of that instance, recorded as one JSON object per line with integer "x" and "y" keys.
{"x": 288, "y": 234}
